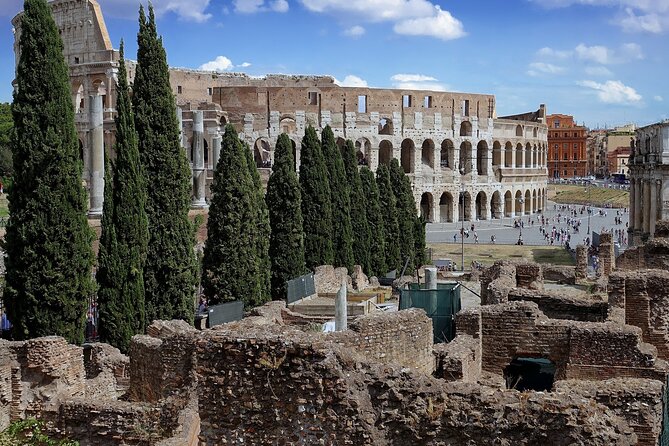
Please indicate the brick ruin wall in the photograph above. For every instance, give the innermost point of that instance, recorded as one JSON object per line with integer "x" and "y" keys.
{"x": 581, "y": 271}
{"x": 564, "y": 305}
{"x": 607, "y": 254}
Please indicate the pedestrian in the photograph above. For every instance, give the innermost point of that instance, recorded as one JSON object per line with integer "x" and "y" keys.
{"x": 455, "y": 238}
{"x": 493, "y": 239}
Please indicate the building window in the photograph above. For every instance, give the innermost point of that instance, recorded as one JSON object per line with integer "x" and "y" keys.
{"x": 313, "y": 97}
{"x": 576, "y": 145}
{"x": 210, "y": 91}
{"x": 565, "y": 146}
{"x": 465, "y": 107}
{"x": 556, "y": 124}
{"x": 575, "y": 156}
{"x": 178, "y": 89}
{"x": 427, "y": 102}
{"x": 575, "y": 134}
{"x": 556, "y": 146}
{"x": 566, "y": 157}
{"x": 406, "y": 101}
{"x": 566, "y": 135}
{"x": 76, "y": 60}
{"x": 362, "y": 104}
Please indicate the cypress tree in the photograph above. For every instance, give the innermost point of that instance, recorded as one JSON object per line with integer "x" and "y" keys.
{"x": 420, "y": 250}
{"x": 48, "y": 241}
{"x": 342, "y": 234}
{"x": 406, "y": 212}
{"x": 377, "y": 231}
{"x": 286, "y": 242}
{"x": 261, "y": 228}
{"x": 230, "y": 266}
{"x": 359, "y": 221}
{"x": 124, "y": 232}
{"x": 389, "y": 212}
{"x": 170, "y": 269}
{"x": 316, "y": 206}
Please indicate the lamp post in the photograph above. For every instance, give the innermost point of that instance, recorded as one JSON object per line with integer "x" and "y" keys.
{"x": 588, "y": 189}
{"x": 521, "y": 200}
{"x": 462, "y": 221}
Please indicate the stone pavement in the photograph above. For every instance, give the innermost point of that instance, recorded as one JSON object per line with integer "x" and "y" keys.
{"x": 505, "y": 233}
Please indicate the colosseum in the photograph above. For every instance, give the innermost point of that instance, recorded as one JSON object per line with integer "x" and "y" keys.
{"x": 464, "y": 161}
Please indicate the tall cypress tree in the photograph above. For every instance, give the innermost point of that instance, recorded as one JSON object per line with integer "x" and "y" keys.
{"x": 342, "y": 234}
{"x": 286, "y": 242}
{"x": 48, "y": 241}
{"x": 377, "y": 231}
{"x": 316, "y": 206}
{"x": 389, "y": 210}
{"x": 261, "y": 228}
{"x": 230, "y": 266}
{"x": 125, "y": 232}
{"x": 406, "y": 212}
{"x": 171, "y": 268}
{"x": 420, "y": 250}
{"x": 359, "y": 221}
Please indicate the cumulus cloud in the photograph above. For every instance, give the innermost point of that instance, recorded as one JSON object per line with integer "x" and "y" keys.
{"x": 658, "y": 98}
{"x": 221, "y": 63}
{"x": 598, "y": 71}
{"x": 552, "y": 53}
{"x": 254, "y": 6}
{"x": 597, "y": 54}
{"x": 539, "y": 68}
{"x": 351, "y": 81}
{"x": 410, "y": 17}
{"x": 412, "y": 78}
{"x": 354, "y": 31}
{"x": 189, "y": 10}
{"x": 613, "y": 92}
{"x": 417, "y": 82}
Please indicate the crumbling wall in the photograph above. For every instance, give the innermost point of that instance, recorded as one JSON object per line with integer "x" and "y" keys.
{"x": 496, "y": 282}
{"x": 7, "y": 364}
{"x": 458, "y": 360}
{"x": 607, "y": 254}
{"x": 564, "y": 305}
{"x": 654, "y": 254}
{"x": 529, "y": 276}
{"x": 278, "y": 386}
{"x": 107, "y": 371}
{"x": 581, "y": 271}
{"x": 565, "y": 275}
{"x": 637, "y": 401}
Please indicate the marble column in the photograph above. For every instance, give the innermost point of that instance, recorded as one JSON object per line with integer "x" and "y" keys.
{"x": 431, "y": 278}
{"x": 341, "y": 310}
{"x": 646, "y": 207}
{"x": 637, "y": 205}
{"x": 631, "y": 208}
{"x": 180, "y": 120}
{"x": 653, "y": 208}
{"x": 97, "y": 155}
{"x": 216, "y": 148}
{"x": 199, "y": 172}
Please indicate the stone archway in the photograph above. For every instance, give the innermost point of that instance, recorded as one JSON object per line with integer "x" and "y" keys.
{"x": 482, "y": 158}
{"x": 447, "y": 154}
{"x": 446, "y": 207}
{"x": 508, "y": 204}
{"x": 528, "y": 202}
{"x": 385, "y": 152}
{"x": 481, "y": 206}
{"x": 465, "y": 157}
{"x": 496, "y": 210}
{"x": 407, "y": 156}
{"x": 496, "y": 154}
{"x": 508, "y": 155}
{"x": 519, "y": 203}
{"x": 426, "y": 206}
{"x": 261, "y": 153}
{"x": 427, "y": 154}
{"x": 465, "y": 207}
{"x": 519, "y": 155}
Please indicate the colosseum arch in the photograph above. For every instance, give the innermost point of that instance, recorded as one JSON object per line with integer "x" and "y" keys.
{"x": 446, "y": 207}
{"x": 466, "y": 128}
{"x": 508, "y": 154}
{"x": 262, "y": 152}
{"x": 465, "y": 157}
{"x": 519, "y": 203}
{"x": 426, "y": 206}
{"x": 385, "y": 152}
{"x": 341, "y": 142}
{"x": 519, "y": 130}
{"x": 496, "y": 154}
{"x": 528, "y": 155}
{"x": 79, "y": 100}
{"x": 222, "y": 121}
{"x": 447, "y": 154}
{"x": 385, "y": 126}
{"x": 363, "y": 151}
{"x": 528, "y": 202}
{"x": 427, "y": 154}
{"x": 482, "y": 158}
{"x": 496, "y": 210}
{"x": 287, "y": 125}
{"x": 407, "y": 155}
{"x": 535, "y": 204}
{"x": 481, "y": 206}
{"x": 535, "y": 156}
{"x": 464, "y": 212}
{"x": 508, "y": 204}
{"x": 519, "y": 155}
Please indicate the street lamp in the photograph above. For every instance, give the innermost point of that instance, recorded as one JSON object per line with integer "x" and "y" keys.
{"x": 589, "y": 201}
{"x": 521, "y": 200}
{"x": 462, "y": 221}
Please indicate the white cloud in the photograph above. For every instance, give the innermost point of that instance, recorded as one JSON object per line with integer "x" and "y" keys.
{"x": 351, "y": 81}
{"x": 643, "y": 22}
{"x": 412, "y": 78}
{"x": 354, "y": 31}
{"x": 598, "y": 71}
{"x": 254, "y": 6}
{"x": 190, "y": 10}
{"x": 442, "y": 26}
{"x": 221, "y": 63}
{"x": 658, "y": 98}
{"x": 551, "y": 53}
{"x": 538, "y": 68}
{"x": 417, "y": 82}
{"x": 596, "y": 53}
{"x": 613, "y": 92}
{"x": 410, "y": 17}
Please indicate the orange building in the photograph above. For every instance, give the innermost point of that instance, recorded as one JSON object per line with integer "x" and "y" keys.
{"x": 567, "y": 156}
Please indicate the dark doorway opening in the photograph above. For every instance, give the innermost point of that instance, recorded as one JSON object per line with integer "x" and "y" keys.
{"x": 530, "y": 374}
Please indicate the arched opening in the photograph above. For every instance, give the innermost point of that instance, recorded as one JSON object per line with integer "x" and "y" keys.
{"x": 519, "y": 130}
{"x": 385, "y": 152}
{"x": 426, "y": 204}
{"x": 447, "y": 154}
{"x": 287, "y": 125}
{"x": 465, "y": 207}
{"x": 427, "y": 154}
{"x": 407, "y": 156}
{"x": 465, "y": 157}
{"x": 525, "y": 374}
{"x": 519, "y": 203}
{"x": 496, "y": 154}
{"x": 482, "y": 158}
{"x": 508, "y": 204}
{"x": 534, "y": 132}
{"x": 206, "y": 153}
{"x": 222, "y": 121}
{"x": 528, "y": 155}
{"x": 496, "y": 205}
{"x": 535, "y": 156}
{"x": 519, "y": 155}
{"x": 446, "y": 207}
{"x": 508, "y": 155}
{"x": 466, "y": 128}
{"x": 481, "y": 206}
{"x": 81, "y": 151}
{"x": 79, "y": 99}
{"x": 261, "y": 153}
{"x": 363, "y": 151}
{"x": 528, "y": 202}
{"x": 341, "y": 142}
{"x": 385, "y": 126}
{"x": 535, "y": 204}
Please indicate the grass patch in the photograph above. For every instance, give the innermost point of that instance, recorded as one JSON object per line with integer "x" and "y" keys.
{"x": 4, "y": 206}
{"x": 489, "y": 254}
{"x": 598, "y": 196}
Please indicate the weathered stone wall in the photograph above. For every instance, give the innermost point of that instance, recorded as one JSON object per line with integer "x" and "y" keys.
{"x": 564, "y": 305}
{"x": 607, "y": 254}
{"x": 458, "y": 360}
{"x": 560, "y": 274}
{"x": 581, "y": 271}
{"x": 496, "y": 282}
{"x": 654, "y": 254}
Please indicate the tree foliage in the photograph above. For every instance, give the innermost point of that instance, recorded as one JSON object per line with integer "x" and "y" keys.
{"x": 389, "y": 211}
{"x": 30, "y": 432}
{"x": 286, "y": 248}
{"x": 125, "y": 232}
{"x": 6, "y": 128}
{"x": 48, "y": 240}
{"x": 342, "y": 234}
{"x": 406, "y": 213}
{"x": 359, "y": 221}
{"x": 170, "y": 269}
{"x": 420, "y": 250}
{"x": 316, "y": 206}
{"x": 230, "y": 266}
{"x": 376, "y": 226}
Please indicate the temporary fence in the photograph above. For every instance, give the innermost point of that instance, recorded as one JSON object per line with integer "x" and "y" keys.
{"x": 441, "y": 305}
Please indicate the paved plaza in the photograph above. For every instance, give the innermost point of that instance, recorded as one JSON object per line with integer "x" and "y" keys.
{"x": 505, "y": 232}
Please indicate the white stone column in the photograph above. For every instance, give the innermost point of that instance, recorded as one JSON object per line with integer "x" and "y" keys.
{"x": 632, "y": 204}
{"x": 199, "y": 173}
{"x": 180, "y": 121}
{"x": 97, "y": 155}
{"x": 216, "y": 149}
{"x": 646, "y": 207}
{"x": 341, "y": 317}
{"x": 637, "y": 205}
{"x": 653, "y": 208}
{"x": 431, "y": 278}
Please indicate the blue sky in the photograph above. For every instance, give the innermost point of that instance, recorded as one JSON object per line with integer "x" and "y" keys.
{"x": 603, "y": 61}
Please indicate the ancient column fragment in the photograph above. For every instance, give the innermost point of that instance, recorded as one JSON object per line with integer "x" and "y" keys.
{"x": 180, "y": 120}
{"x": 652, "y": 218}
{"x": 340, "y": 308}
{"x": 216, "y": 147}
{"x": 199, "y": 173}
{"x": 581, "y": 271}
{"x": 431, "y": 278}
{"x": 97, "y": 156}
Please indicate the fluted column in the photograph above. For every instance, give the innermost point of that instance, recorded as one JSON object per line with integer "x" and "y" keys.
{"x": 216, "y": 146}
{"x": 646, "y": 207}
{"x": 97, "y": 155}
{"x": 653, "y": 208}
{"x": 637, "y": 205}
{"x": 632, "y": 205}
{"x": 199, "y": 175}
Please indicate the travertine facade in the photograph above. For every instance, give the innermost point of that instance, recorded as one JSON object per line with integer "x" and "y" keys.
{"x": 451, "y": 144}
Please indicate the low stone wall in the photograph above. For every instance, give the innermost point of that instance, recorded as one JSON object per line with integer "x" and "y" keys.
{"x": 565, "y": 275}
{"x": 654, "y": 254}
{"x": 458, "y": 360}
{"x": 564, "y": 305}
